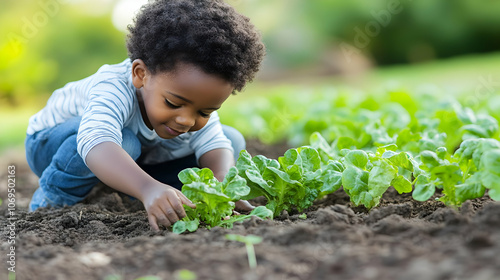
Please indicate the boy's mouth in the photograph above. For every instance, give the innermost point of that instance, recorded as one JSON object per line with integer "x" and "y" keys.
{"x": 172, "y": 131}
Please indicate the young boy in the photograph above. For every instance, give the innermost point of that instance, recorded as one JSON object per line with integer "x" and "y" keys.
{"x": 136, "y": 124}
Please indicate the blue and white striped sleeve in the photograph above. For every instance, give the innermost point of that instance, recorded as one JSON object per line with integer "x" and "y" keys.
{"x": 109, "y": 107}
{"x": 210, "y": 137}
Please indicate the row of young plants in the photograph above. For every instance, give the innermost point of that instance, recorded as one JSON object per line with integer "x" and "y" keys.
{"x": 307, "y": 173}
{"x": 356, "y": 119}
{"x": 417, "y": 147}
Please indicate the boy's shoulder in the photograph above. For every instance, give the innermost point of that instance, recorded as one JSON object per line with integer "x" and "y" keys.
{"x": 113, "y": 77}
{"x": 112, "y": 71}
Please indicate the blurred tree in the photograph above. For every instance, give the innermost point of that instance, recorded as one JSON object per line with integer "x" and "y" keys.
{"x": 47, "y": 45}
{"x": 389, "y": 31}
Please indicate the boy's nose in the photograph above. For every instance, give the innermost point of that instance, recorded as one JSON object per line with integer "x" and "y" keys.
{"x": 185, "y": 120}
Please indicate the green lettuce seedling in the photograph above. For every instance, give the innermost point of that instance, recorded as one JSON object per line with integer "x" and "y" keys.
{"x": 479, "y": 160}
{"x": 214, "y": 200}
{"x": 367, "y": 176}
{"x": 295, "y": 180}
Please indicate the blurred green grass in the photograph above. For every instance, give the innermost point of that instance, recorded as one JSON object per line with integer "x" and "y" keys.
{"x": 459, "y": 75}
{"x": 14, "y": 122}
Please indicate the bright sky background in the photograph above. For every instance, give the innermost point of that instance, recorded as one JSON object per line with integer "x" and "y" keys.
{"x": 124, "y": 11}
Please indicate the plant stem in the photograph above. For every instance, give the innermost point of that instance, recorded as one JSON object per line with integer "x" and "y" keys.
{"x": 252, "y": 261}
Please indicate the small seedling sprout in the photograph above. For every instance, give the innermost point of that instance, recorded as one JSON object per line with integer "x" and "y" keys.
{"x": 249, "y": 241}
{"x": 185, "y": 274}
{"x": 149, "y": 277}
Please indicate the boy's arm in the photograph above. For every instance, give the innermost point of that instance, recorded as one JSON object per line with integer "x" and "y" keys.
{"x": 114, "y": 167}
{"x": 220, "y": 161}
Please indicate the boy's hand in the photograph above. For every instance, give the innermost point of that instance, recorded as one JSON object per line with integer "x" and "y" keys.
{"x": 114, "y": 167}
{"x": 164, "y": 205}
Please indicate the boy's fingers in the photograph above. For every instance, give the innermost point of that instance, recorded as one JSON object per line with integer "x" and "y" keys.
{"x": 185, "y": 200}
{"x": 167, "y": 215}
{"x": 176, "y": 205}
{"x": 152, "y": 223}
{"x": 167, "y": 221}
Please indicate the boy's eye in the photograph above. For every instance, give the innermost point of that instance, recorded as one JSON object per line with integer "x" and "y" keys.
{"x": 205, "y": 115}
{"x": 169, "y": 104}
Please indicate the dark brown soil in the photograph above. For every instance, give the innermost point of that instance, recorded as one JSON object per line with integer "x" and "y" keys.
{"x": 108, "y": 234}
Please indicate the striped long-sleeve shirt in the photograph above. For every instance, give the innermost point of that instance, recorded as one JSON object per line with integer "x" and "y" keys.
{"x": 107, "y": 103}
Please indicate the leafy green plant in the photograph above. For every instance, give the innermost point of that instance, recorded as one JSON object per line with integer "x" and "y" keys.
{"x": 294, "y": 180}
{"x": 412, "y": 159}
{"x": 367, "y": 176}
{"x": 479, "y": 160}
{"x": 465, "y": 175}
{"x": 214, "y": 200}
{"x": 249, "y": 241}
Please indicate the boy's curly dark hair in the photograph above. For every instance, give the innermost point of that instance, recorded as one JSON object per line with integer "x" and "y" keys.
{"x": 207, "y": 33}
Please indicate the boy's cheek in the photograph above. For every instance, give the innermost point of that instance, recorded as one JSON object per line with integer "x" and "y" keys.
{"x": 199, "y": 125}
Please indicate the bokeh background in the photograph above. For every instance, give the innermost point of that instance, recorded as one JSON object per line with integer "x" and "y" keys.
{"x": 361, "y": 44}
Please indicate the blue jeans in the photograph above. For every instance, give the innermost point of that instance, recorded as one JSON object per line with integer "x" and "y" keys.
{"x": 64, "y": 177}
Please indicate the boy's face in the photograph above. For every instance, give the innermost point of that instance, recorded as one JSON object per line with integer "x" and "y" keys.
{"x": 176, "y": 102}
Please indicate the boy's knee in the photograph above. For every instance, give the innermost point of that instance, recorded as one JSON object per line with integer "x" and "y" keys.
{"x": 131, "y": 143}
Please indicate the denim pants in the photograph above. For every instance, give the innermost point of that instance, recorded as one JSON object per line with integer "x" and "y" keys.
{"x": 64, "y": 177}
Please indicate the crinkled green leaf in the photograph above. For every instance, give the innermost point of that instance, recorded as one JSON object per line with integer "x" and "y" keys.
{"x": 344, "y": 142}
{"x": 408, "y": 140}
{"x": 449, "y": 176}
{"x": 490, "y": 172}
{"x": 319, "y": 143}
{"x": 441, "y": 153}
{"x": 262, "y": 163}
{"x": 472, "y": 188}
{"x": 311, "y": 161}
{"x": 361, "y": 189}
{"x": 261, "y": 212}
{"x": 252, "y": 173}
{"x": 378, "y": 133}
{"x": 331, "y": 177}
{"x": 355, "y": 180}
{"x": 211, "y": 203}
{"x": 179, "y": 227}
{"x": 234, "y": 186}
{"x": 401, "y": 159}
{"x": 424, "y": 189}
{"x": 473, "y": 149}
{"x": 291, "y": 162}
{"x": 357, "y": 158}
{"x": 260, "y": 186}
{"x": 430, "y": 159}
{"x": 380, "y": 178}
{"x": 475, "y": 130}
{"x": 182, "y": 226}
{"x": 190, "y": 175}
{"x": 401, "y": 184}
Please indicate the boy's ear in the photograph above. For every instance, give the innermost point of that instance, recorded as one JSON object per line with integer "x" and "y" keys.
{"x": 139, "y": 71}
